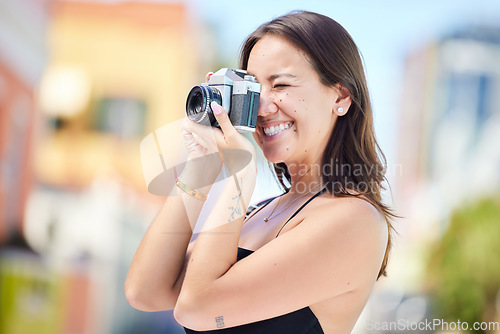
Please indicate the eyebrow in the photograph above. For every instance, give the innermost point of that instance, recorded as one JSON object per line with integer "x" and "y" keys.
{"x": 278, "y": 75}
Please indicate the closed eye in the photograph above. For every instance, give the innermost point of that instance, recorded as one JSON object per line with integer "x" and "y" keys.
{"x": 281, "y": 86}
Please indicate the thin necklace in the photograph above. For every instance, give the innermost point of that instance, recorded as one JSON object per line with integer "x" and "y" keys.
{"x": 286, "y": 207}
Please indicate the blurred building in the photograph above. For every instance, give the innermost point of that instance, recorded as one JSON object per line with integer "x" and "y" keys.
{"x": 22, "y": 58}
{"x": 81, "y": 83}
{"x": 116, "y": 72}
{"x": 449, "y": 128}
{"x": 24, "y": 288}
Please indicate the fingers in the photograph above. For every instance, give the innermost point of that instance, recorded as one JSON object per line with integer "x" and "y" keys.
{"x": 196, "y": 135}
{"x": 223, "y": 120}
{"x": 201, "y": 130}
{"x": 189, "y": 141}
{"x": 207, "y": 77}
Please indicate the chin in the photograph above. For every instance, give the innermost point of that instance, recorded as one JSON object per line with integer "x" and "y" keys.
{"x": 273, "y": 156}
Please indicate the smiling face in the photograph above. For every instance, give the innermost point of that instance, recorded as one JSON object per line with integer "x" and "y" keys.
{"x": 296, "y": 111}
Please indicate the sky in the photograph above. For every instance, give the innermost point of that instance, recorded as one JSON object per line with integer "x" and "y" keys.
{"x": 385, "y": 31}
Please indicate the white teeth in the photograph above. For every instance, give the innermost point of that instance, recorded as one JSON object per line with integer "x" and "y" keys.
{"x": 272, "y": 130}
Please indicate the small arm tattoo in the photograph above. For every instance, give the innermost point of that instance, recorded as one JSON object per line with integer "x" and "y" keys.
{"x": 236, "y": 209}
{"x": 219, "y": 321}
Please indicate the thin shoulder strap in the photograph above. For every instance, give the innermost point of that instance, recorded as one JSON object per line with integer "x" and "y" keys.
{"x": 303, "y": 205}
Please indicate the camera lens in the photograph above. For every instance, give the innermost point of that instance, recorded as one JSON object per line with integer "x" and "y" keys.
{"x": 198, "y": 104}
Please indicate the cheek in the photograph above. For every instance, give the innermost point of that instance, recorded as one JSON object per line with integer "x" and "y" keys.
{"x": 313, "y": 121}
{"x": 258, "y": 138}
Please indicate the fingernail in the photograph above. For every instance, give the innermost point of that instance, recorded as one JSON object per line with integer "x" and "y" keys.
{"x": 216, "y": 107}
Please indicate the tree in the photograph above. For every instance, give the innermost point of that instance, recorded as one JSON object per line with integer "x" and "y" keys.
{"x": 464, "y": 265}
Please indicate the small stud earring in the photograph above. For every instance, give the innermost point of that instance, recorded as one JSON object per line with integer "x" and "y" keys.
{"x": 340, "y": 110}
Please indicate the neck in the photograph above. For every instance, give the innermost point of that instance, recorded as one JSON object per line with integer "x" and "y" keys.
{"x": 305, "y": 177}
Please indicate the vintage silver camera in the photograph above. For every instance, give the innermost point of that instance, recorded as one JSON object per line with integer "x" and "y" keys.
{"x": 237, "y": 92}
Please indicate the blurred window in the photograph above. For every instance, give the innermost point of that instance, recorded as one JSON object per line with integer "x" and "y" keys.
{"x": 123, "y": 117}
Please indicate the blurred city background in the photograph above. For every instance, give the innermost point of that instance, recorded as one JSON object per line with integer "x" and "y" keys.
{"x": 82, "y": 82}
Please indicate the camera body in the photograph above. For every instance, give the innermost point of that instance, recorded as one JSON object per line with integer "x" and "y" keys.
{"x": 236, "y": 91}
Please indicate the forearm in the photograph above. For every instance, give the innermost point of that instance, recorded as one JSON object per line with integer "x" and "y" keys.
{"x": 156, "y": 272}
{"x": 217, "y": 245}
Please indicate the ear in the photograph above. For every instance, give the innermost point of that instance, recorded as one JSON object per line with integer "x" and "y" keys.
{"x": 343, "y": 100}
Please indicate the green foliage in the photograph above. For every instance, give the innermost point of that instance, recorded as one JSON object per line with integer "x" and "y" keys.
{"x": 464, "y": 266}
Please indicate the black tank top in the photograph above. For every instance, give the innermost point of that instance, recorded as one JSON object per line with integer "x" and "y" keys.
{"x": 302, "y": 321}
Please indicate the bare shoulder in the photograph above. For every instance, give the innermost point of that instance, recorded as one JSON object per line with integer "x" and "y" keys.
{"x": 349, "y": 213}
{"x": 351, "y": 205}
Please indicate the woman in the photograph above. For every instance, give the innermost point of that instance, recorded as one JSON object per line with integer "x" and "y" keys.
{"x": 306, "y": 261}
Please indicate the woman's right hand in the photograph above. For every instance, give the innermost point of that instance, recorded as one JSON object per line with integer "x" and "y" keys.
{"x": 196, "y": 145}
{"x": 203, "y": 163}
{"x": 203, "y": 155}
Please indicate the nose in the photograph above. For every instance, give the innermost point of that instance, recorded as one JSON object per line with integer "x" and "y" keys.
{"x": 266, "y": 104}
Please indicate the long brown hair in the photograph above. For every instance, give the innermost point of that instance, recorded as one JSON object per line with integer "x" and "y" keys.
{"x": 355, "y": 163}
